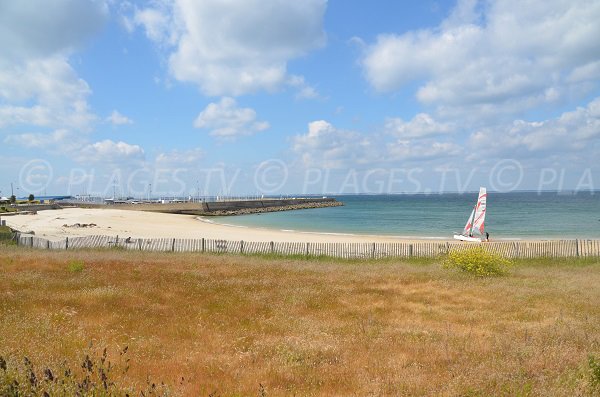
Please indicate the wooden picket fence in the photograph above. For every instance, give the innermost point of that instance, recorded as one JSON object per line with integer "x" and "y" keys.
{"x": 510, "y": 249}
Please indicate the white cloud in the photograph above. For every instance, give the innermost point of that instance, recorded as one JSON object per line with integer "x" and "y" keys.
{"x": 38, "y": 29}
{"x": 573, "y": 135}
{"x": 226, "y": 120}
{"x": 304, "y": 91}
{"x": 108, "y": 151}
{"x": 75, "y": 146}
{"x": 180, "y": 157}
{"x": 38, "y": 86}
{"x": 117, "y": 118}
{"x": 59, "y": 97}
{"x": 413, "y": 150}
{"x": 502, "y": 56}
{"x": 328, "y": 147}
{"x": 157, "y": 23}
{"x": 234, "y": 47}
{"x": 420, "y": 126}
{"x": 59, "y": 141}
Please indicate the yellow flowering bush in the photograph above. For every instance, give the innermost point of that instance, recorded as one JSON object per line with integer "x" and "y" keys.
{"x": 478, "y": 261}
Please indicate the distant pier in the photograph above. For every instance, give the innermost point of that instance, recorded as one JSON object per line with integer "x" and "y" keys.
{"x": 222, "y": 208}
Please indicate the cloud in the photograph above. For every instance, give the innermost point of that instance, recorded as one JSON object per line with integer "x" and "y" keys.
{"x": 493, "y": 57}
{"x": 573, "y": 135}
{"x": 226, "y": 120}
{"x": 44, "y": 92}
{"x": 108, "y": 151}
{"x": 328, "y": 147}
{"x": 420, "y": 126}
{"x": 117, "y": 118}
{"x": 59, "y": 141}
{"x": 38, "y": 29}
{"x": 304, "y": 91}
{"x": 75, "y": 146}
{"x": 180, "y": 157}
{"x": 408, "y": 150}
{"x": 156, "y": 23}
{"x": 233, "y": 47}
{"x": 38, "y": 86}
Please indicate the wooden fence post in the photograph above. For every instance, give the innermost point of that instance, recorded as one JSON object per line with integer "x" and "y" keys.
{"x": 373, "y": 251}
{"x": 307, "y": 249}
{"x": 272, "y": 244}
{"x": 66, "y": 243}
{"x": 140, "y": 243}
{"x": 173, "y": 246}
{"x": 117, "y": 240}
{"x": 577, "y": 247}
{"x": 242, "y": 247}
{"x": 410, "y": 250}
{"x": 47, "y": 244}
{"x": 202, "y": 244}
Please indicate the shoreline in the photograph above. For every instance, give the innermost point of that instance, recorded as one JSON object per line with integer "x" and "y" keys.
{"x": 74, "y": 222}
{"x": 399, "y": 238}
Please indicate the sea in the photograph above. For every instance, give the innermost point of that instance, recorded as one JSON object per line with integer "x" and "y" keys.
{"x": 510, "y": 216}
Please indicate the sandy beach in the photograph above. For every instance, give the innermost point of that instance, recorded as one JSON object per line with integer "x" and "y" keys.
{"x": 51, "y": 224}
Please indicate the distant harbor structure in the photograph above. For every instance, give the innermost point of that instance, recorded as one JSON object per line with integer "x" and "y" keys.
{"x": 209, "y": 205}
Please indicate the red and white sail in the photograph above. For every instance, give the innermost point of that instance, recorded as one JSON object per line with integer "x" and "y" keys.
{"x": 469, "y": 225}
{"x": 476, "y": 222}
{"x": 479, "y": 220}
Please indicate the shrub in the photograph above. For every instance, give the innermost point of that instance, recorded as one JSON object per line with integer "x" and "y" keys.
{"x": 76, "y": 266}
{"x": 478, "y": 261}
{"x": 6, "y": 234}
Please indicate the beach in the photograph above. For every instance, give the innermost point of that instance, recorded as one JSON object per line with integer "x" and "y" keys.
{"x": 58, "y": 224}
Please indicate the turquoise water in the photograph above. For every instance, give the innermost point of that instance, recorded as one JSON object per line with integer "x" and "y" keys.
{"x": 515, "y": 215}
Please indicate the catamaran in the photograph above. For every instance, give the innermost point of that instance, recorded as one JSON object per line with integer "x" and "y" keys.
{"x": 476, "y": 222}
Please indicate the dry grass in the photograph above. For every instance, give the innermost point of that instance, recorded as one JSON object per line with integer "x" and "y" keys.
{"x": 229, "y": 324}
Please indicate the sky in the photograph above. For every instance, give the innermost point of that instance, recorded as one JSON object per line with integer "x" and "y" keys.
{"x": 275, "y": 97}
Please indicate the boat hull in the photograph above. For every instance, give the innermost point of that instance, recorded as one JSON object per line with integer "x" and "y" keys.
{"x": 466, "y": 238}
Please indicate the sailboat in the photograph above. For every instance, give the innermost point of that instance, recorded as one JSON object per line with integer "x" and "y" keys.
{"x": 476, "y": 222}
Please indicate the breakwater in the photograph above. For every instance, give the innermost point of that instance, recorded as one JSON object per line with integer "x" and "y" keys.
{"x": 222, "y": 208}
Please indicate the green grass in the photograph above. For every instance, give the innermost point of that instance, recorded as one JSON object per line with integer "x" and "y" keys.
{"x": 6, "y": 234}
{"x": 555, "y": 262}
{"x": 76, "y": 266}
{"x": 594, "y": 366}
{"x": 326, "y": 258}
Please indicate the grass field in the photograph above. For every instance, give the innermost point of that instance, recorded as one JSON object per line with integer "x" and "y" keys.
{"x": 240, "y": 325}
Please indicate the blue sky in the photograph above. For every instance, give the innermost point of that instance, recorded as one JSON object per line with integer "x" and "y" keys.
{"x": 218, "y": 97}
